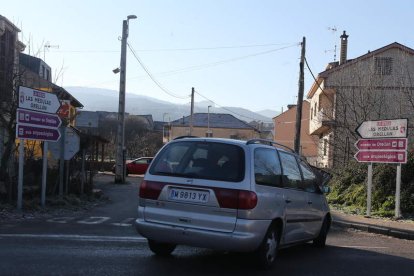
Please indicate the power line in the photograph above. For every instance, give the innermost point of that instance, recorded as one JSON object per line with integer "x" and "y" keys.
{"x": 152, "y": 78}
{"x": 216, "y": 63}
{"x": 176, "y": 49}
{"x": 207, "y": 65}
{"x": 313, "y": 76}
{"x": 213, "y": 48}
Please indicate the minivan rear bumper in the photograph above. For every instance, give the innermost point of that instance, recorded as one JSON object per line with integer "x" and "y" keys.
{"x": 246, "y": 237}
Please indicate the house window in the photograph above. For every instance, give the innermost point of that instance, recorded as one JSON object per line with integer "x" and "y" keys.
{"x": 383, "y": 66}
{"x": 311, "y": 113}
{"x": 325, "y": 147}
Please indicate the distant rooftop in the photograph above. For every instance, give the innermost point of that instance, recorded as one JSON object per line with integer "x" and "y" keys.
{"x": 217, "y": 120}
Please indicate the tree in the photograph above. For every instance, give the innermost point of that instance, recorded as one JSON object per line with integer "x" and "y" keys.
{"x": 8, "y": 104}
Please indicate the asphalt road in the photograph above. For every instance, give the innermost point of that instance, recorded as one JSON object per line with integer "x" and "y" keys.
{"x": 103, "y": 242}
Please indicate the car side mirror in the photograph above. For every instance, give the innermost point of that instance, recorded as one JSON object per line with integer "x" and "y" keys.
{"x": 325, "y": 189}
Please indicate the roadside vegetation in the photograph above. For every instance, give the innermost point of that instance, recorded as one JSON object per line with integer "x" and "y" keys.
{"x": 349, "y": 188}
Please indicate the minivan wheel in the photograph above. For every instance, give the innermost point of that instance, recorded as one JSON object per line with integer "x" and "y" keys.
{"x": 320, "y": 241}
{"x": 160, "y": 248}
{"x": 266, "y": 254}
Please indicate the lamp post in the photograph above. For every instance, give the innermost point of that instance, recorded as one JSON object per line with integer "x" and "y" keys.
{"x": 120, "y": 149}
{"x": 208, "y": 120}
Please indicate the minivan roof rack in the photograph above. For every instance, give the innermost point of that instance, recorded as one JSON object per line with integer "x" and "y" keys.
{"x": 267, "y": 142}
{"x": 185, "y": 136}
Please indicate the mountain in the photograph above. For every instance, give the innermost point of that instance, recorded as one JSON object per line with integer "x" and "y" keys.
{"x": 99, "y": 99}
{"x": 268, "y": 113}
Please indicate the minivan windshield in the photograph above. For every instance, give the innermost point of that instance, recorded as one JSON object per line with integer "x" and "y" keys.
{"x": 199, "y": 159}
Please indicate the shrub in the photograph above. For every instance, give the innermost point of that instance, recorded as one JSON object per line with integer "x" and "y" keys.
{"x": 348, "y": 187}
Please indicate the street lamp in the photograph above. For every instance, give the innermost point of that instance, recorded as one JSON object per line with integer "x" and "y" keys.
{"x": 208, "y": 120}
{"x": 120, "y": 150}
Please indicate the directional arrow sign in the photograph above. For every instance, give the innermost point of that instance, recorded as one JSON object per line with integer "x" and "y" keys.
{"x": 383, "y": 129}
{"x": 38, "y": 100}
{"x": 382, "y": 144}
{"x": 34, "y": 118}
{"x": 37, "y": 133}
{"x": 388, "y": 156}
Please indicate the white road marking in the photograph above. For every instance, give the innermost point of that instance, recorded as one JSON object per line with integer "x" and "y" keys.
{"x": 125, "y": 222}
{"x": 94, "y": 220}
{"x": 61, "y": 219}
{"x": 76, "y": 237}
{"x": 362, "y": 246}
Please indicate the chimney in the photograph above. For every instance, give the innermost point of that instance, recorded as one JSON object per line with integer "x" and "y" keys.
{"x": 344, "y": 48}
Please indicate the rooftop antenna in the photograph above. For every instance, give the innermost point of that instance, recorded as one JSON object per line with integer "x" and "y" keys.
{"x": 333, "y": 31}
{"x": 47, "y": 47}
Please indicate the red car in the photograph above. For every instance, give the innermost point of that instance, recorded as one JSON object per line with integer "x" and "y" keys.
{"x": 137, "y": 166}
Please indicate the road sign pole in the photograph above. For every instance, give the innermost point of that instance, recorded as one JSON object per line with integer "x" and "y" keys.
{"x": 369, "y": 189}
{"x": 20, "y": 180}
{"x": 398, "y": 193}
{"x": 44, "y": 173}
{"x": 62, "y": 159}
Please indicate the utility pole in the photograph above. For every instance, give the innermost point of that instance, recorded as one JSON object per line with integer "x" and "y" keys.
{"x": 300, "y": 97}
{"x": 120, "y": 150}
{"x": 192, "y": 111}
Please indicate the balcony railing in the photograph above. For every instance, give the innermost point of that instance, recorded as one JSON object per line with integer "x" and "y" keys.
{"x": 322, "y": 122}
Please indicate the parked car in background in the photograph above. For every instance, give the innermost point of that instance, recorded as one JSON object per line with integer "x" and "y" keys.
{"x": 244, "y": 196}
{"x": 137, "y": 166}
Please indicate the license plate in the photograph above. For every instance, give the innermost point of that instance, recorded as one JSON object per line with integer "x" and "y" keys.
{"x": 187, "y": 195}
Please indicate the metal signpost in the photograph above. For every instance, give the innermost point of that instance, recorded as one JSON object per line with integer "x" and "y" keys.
{"x": 384, "y": 141}
{"x": 36, "y": 120}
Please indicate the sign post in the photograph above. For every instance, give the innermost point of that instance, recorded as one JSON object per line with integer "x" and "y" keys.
{"x": 36, "y": 120}
{"x": 384, "y": 141}
{"x": 369, "y": 190}
{"x": 20, "y": 177}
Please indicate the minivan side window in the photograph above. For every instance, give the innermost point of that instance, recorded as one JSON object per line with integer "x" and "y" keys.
{"x": 309, "y": 178}
{"x": 291, "y": 173}
{"x": 267, "y": 169}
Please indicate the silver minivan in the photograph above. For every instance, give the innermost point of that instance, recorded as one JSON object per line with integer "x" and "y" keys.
{"x": 244, "y": 196}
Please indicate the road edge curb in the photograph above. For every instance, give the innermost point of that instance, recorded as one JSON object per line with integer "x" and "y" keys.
{"x": 396, "y": 233}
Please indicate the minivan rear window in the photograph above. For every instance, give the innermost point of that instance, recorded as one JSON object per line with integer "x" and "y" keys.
{"x": 198, "y": 159}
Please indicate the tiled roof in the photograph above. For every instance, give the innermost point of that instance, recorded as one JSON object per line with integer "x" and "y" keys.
{"x": 217, "y": 120}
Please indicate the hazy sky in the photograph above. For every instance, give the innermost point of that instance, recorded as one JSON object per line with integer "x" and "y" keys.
{"x": 235, "y": 52}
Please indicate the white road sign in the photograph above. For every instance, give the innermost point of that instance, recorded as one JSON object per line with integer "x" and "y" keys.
{"x": 72, "y": 143}
{"x": 37, "y": 100}
{"x": 383, "y": 129}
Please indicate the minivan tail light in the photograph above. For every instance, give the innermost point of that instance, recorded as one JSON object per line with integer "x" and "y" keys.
{"x": 150, "y": 189}
{"x": 236, "y": 199}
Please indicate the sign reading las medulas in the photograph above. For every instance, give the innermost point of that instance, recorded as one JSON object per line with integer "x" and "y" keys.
{"x": 383, "y": 129}
{"x": 37, "y": 100}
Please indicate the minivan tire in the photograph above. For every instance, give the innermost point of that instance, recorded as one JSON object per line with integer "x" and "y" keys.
{"x": 320, "y": 241}
{"x": 160, "y": 248}
{"x": 267, "y": 252}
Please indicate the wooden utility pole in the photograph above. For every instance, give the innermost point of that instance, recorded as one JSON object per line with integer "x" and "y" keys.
{"x": 192, "y": 111}
{"x": 300, "y": 97}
